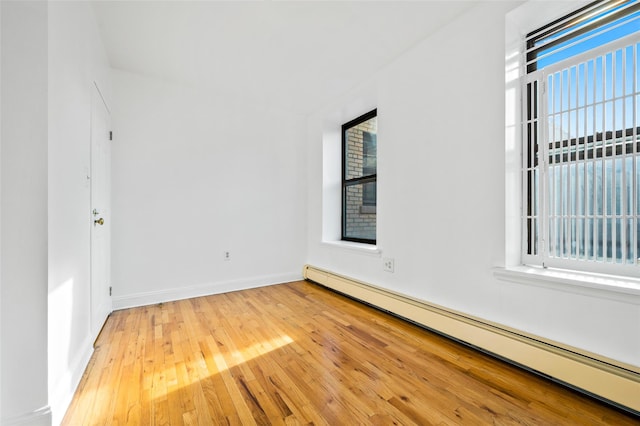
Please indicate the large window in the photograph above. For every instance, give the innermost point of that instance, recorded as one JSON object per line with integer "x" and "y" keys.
{"x": 581, "y": 162}
{"x": 359, "y": 177}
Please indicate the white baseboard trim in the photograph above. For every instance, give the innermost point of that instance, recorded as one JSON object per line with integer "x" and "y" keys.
{"x": 188, "y": 292}
{"x": 62, "y": 392}
{"x": 597, "y": 375}
{"x": 39, "y": 417}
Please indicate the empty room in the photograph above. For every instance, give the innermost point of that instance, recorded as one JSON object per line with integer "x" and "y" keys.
{"x": 198, "y": 225}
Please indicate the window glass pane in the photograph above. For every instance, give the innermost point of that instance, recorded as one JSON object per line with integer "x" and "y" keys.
{"x": 637, "y": 68}
{"x": 581, "y": 85}
{"x": 535, "y": 237}
{"x": 572, "y": 236}
{"x": 565, "y": 90}
{"x": 608, "y": 92}
{"x": 581, "y": 238}
{"x": 599, "y": 239}
{"x": 572, "y": 189}
{"x": 589, "y": 187}
{"x": 530, "y": 101}
{"x": 637, "y": 234}
{"x": 598, "y": 183}
{"x": 361, "y": 149}
{"x": 566, "y": 243}
{"x": 590, "y": 122}
{"x": 609, "y": 230}
{"x": 581, "y": 122}
{"x": 608, "y": 188}
{"x": 589, "y": 240}
{"x": 530, "y": 233}
{"x": 556, "y": 92}
{"x": 590, "y": 82}
{"x": 618, "y": 114}
{"x": 599, "y": 118}
{"x": 637, "y": 184}
{"x": 619, "y": 80}
{"x": 628, "y": 81}
{"x": 360, "y": 218}
{"x": 618, "y": 187}
{"x": 550, "y": 94}
{"x": 628, "y": 113}
{"x": 599, "y": 78}
{"x": 369, "y": 194}
{"x": 535, "y": 100}
{"x": 628, "y": 242}
{"x": 565, "y": 191}
{"x": 573, "y": 88}
{"x": 608, "y": 119}
{"x": 536, "y": 188}
{"x": 573, "y": 124}
{"x": 629, "y": 185}
{"x": 619, "y": 241}
{"x": 580, "y": 190}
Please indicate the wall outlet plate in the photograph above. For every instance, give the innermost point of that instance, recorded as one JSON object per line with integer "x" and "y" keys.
{"x": 226, "y": 255}
{"x": 388, "y": 264}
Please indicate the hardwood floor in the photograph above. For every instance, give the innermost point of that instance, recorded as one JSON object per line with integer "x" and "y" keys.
{"x": 299, "y": 354}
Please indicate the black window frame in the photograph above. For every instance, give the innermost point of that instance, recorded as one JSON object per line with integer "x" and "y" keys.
{"x": 354, "y": 181}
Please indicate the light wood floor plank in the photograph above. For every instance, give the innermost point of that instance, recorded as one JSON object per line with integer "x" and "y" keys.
{"x": 298, "y": 354}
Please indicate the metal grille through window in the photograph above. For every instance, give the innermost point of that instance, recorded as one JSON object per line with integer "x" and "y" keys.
{"x": 581, "y": 162}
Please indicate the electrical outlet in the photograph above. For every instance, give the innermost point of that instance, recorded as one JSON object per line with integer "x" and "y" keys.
{"x": 227, "y": 255}
{"x": 388, "y": 264}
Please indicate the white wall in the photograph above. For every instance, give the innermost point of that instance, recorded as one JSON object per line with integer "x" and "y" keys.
{"x": 441, "y": 192}
{"x": 23, "y": 394}
{"x": 1, "y": 209}
{"x": 77, "y": 59}
{"x": 196, "y": 174}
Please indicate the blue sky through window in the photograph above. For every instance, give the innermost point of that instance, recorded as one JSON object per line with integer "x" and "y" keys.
{"x": 601, "y": 35}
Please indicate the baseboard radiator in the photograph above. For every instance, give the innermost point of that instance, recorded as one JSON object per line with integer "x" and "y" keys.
{"x": 606, "y": 379}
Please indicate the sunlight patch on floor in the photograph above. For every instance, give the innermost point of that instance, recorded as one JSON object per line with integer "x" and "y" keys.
{"x": 239, "y": 357}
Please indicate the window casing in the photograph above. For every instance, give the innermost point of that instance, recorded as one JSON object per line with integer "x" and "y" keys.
{"x": 581, "y": 144}
{"x": 359, "y": 179}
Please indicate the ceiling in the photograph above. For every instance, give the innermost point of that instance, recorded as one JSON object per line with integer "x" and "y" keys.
{"x": 293, "y": 55}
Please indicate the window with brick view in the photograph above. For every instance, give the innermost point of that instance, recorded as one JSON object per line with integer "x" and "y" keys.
{"x": 359, "y": 178}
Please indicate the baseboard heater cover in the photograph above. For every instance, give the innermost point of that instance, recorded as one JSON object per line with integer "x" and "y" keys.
{"x": 595, "y": 375}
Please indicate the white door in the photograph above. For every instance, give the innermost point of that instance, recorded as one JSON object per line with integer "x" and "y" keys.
{"x": 99, "y": 214}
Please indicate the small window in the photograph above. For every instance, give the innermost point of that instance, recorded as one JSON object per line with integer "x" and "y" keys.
{"x": 359, "y": 178}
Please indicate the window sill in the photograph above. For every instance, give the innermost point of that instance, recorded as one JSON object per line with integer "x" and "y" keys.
{"x": 367, "y": 249}
{"x": 613, "y": 287}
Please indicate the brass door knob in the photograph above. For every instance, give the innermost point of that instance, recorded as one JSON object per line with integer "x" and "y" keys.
{"x": 99, "y": 221}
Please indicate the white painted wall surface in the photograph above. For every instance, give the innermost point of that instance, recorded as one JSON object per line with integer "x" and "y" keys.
{"x": 196, "y": 174}
{"x": 441, "y": 191}
{"x": 77, "y": 59}
{"x": 23, "y": 393}
{"x": 1, "y": 209}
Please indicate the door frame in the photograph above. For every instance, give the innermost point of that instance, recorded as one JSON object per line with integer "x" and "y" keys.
{"x": 105, "y": 305}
